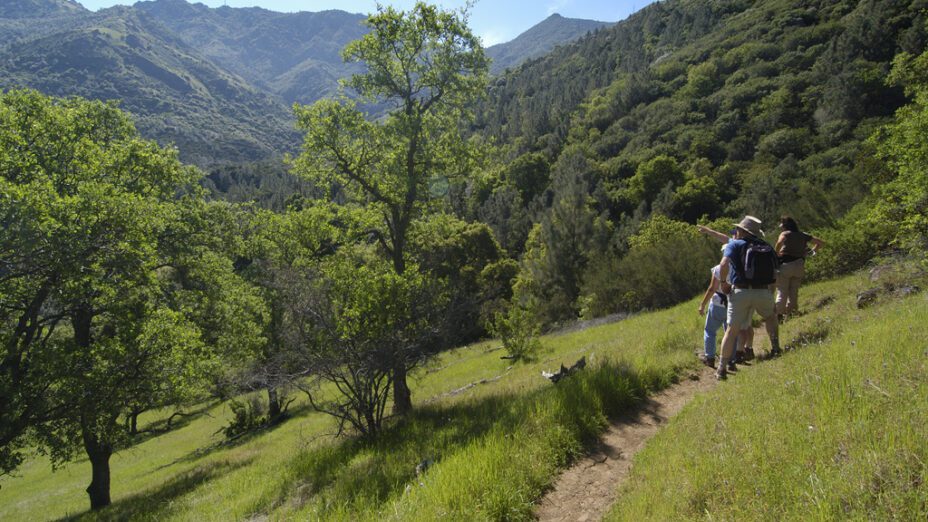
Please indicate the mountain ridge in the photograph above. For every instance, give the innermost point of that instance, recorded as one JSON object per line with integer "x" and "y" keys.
{"x": 216, "y": 82}
{"x": 540, "y": 39}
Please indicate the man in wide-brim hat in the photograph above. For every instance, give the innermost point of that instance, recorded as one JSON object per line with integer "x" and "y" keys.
{"x": 747, "y": 295}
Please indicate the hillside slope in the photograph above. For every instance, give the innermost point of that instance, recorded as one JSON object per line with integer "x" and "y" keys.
{"x": 474, "y": 404}
{"x": 175, "y": 95}
{"x": 296, "y": 56}
{"x": 834, "y": 431}
{"x": 539, "y": 40}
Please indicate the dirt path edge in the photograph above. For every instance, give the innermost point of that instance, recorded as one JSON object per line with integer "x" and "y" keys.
{"x": 586, "y": 490}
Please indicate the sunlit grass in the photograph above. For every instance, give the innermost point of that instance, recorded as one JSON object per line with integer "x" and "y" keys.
{"x": 837, "y": 430}
{"x": 515, "y": 420}
{"x": 497, "y": 445}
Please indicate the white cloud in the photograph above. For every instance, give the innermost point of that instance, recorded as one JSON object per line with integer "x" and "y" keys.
{"x": 493, "y": 36}
{"x": 557, "y": 5}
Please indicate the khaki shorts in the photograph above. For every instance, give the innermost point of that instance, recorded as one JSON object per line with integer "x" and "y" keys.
{"x": 742, "y": 303}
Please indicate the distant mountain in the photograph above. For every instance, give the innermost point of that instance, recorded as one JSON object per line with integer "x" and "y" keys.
{"x": 296, "y": 56}
{"x": 539, "y": 40}
{"x": 13, "y": 9}
{"x": 217, "y": 82}
{"x": 175, "y": 94}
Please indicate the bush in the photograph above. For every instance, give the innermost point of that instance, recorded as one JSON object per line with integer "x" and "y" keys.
{"x": 849, "y": 246}
{"x": 518, "y": 329}
{"x": 668, "y": 262}
{"x": 247, "y": 415}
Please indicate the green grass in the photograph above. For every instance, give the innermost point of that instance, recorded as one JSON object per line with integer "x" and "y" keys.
{"x": 498, "y": 445}
{"x": 836, "y": 430}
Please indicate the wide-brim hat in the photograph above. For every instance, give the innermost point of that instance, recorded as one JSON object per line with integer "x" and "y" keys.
{"x": 751, "y": 225}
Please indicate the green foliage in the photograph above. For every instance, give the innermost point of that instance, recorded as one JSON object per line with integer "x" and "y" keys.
{"x": 560, "y": 246}
{"x": 248, "y": 415}
{"x": 118, "y": 288}
{"x": 518, "y": 330}
{"x": 904, "y": 200}
{"x": 529, "y": 174}
{"x": 348, "y": 322}
{"x": 850, "y": 244}
{"x": 470, "y": 262}
{"x": 428, "y": 65}
{"x": 766, "y": 117}
{"x": 668, "y": 261}
{"x": 652, "y": 176}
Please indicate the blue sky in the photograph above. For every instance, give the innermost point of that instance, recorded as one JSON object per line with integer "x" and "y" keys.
{"x": 495, "y": 21}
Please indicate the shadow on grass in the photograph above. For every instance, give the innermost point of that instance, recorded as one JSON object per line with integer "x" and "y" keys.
{"x": 158, "y": 504}
{"x": 363, "y": 474}
{"x": 815, "y": 334}
{"x": 292, "y": 414}
{"x": 167, "y": 425}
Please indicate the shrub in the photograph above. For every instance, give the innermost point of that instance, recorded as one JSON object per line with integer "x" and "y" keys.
{"x": 518, "y": 330}
{"x": 668, "y": 262}
{"x": 247, "y": 415}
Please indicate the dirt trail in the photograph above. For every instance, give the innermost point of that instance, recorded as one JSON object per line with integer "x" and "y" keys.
{"x": 586, "y": 490}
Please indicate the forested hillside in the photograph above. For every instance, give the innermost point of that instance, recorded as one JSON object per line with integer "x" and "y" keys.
{"x": 296, "y": 56}
{"x": 687, "y": 110}
{"x": 175, "y": 95}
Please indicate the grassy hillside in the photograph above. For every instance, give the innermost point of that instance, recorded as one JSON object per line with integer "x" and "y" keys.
{"x": 835, "y": 431}
{"x": 497, "y": 444}
{"x": 516, "y": 429}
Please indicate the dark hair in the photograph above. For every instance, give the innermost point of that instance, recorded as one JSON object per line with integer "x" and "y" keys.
{"x": 789, "y": 223}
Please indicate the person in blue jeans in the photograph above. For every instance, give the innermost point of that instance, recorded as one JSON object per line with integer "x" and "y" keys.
{"x": 715, "y": 318}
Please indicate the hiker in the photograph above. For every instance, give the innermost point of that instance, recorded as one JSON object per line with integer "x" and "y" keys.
{"x": 792, "y": 248}
{"x": 745, "y": 342}
{"x": 749, "y": 265}
{"x": 715, "y": 317}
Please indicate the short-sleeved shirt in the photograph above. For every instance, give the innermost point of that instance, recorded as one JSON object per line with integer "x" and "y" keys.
{"x": 793, "y": 244}
{"x": 717, "y": 276}
{"x": 734, "y": 251}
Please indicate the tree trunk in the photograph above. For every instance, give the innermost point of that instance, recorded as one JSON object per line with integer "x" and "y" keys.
{"x": 99, "y": 454}
{"x": 134, "y": 421}
{"x": 273, "y": 403}
{"x": 402, "y": 397}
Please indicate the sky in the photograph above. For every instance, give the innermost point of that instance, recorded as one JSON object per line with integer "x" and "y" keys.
{"x": 495, "y": 21}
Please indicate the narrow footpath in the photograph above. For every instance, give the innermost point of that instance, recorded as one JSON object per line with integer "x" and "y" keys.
{"x": 586, "y": 490}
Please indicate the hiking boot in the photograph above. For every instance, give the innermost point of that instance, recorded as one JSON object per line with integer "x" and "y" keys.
{"x": 732, "y": 367}
{"x": 776, "y": 352}
{"x": 707, "y": 360}
{"x": 721, "y": 375}
{"x": 749, "y": 354}
{"x": 739, "y": 357}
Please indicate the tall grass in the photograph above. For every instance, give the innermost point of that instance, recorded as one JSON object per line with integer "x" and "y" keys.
{"x": 837, "y": 430}
{"x": 494, "y": 447}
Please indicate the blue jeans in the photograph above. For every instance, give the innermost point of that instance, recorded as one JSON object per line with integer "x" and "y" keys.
{"x": 715, "y": 318}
